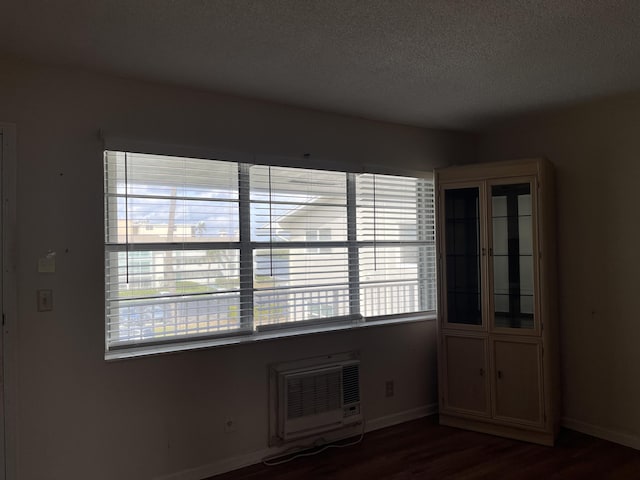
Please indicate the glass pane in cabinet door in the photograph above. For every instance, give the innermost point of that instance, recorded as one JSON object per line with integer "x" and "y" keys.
{"x": 511, "y": 212}
{"x": 462, "y": 249}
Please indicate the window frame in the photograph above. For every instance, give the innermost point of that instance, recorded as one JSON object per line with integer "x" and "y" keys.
{"x": 247, "y": 247}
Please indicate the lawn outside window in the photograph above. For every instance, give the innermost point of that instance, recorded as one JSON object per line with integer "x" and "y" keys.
{"x": 198, "y": 248}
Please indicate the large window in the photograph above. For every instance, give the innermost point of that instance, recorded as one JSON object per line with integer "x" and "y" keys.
{"x": 203, "y": 248}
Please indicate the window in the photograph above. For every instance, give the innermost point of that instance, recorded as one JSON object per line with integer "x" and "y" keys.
{"x": 313, "y": 235}
{"x": 202, "y": 248}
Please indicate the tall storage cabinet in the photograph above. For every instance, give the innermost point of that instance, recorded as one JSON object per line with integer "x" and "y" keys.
{"x": 497, "y": 322}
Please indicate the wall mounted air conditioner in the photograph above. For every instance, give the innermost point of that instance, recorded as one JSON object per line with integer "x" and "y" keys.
{"x": 318, "y": 398}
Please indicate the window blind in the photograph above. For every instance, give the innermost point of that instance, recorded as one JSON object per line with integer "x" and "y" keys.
{"x": 300, "y": 274}
{"x": 197, "y": 247}
{"x": 396, "y": 238}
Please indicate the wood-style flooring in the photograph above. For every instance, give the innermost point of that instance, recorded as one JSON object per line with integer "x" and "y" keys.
{"x": 422, "y": 449}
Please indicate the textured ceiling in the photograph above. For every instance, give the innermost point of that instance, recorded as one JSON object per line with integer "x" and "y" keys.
{"x": 449, "y": 63}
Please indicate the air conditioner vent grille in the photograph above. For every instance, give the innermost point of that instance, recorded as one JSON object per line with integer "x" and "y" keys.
{"x": 351, "y": 384}
{"x": 313, "y": 394}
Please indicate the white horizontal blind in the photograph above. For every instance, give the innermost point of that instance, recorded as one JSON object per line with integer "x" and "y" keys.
{"x": 395, "y": 225}
{"x": 199, "y": 247}
{"x": 172, "y": 252}
{"x": 301, "y": 259}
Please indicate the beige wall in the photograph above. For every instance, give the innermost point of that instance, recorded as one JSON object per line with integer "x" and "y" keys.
{"x": 596, "y": 151}
{"x": 79, "y": 417}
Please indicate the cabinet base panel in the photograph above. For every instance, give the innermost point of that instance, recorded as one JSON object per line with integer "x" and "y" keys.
{"x": 542, "y": 438}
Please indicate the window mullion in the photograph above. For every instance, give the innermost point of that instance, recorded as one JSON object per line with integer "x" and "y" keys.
{"x": 352, "y": 239}
{"x": 246, "y": 251}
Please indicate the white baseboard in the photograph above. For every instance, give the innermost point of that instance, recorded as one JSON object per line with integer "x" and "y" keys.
{"x": 614, "y": 436}
{"x": 244, "y": 460}
{"x": 219, "y": 467}
{"x": 401, "y": 417}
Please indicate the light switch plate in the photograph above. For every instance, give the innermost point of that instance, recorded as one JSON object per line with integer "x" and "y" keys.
{"x": 45, "y": 300}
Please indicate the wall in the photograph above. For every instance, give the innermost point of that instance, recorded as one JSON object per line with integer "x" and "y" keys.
{"x": 595, "y": 151}
{"x": 80, "y": 417}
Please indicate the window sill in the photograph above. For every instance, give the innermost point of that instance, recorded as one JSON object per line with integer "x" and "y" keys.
{"x": 149, "y": 350}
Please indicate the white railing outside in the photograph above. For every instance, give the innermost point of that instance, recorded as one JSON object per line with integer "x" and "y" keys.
{"x": 157, "y": 318}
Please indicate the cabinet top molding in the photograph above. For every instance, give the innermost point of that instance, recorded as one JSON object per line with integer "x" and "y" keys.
{"x": 502, "y": 169}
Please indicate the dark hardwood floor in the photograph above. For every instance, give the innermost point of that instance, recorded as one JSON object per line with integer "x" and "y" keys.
{"x": 424, "y": 449}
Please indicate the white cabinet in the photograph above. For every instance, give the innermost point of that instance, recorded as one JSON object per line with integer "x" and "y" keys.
{"x": 498, "y": 367}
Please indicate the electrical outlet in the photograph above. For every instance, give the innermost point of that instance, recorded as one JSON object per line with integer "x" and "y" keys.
{"x": 230, "y": 425}
{"x": 389, "y": 388}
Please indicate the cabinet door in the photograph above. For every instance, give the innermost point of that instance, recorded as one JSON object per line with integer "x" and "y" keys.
{"x": 517, "y": 382}
{"x": 513, "y": 257}
{"x": 461, "y": 209}
{"x": 465, "y": 374}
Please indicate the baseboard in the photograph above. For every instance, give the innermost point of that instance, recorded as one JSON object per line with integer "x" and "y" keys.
{"x": 614, "y": 436}
{"x": 401, "y": 417}
{"x": 244, "y": 460}
{"x": 219, "y": 467}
